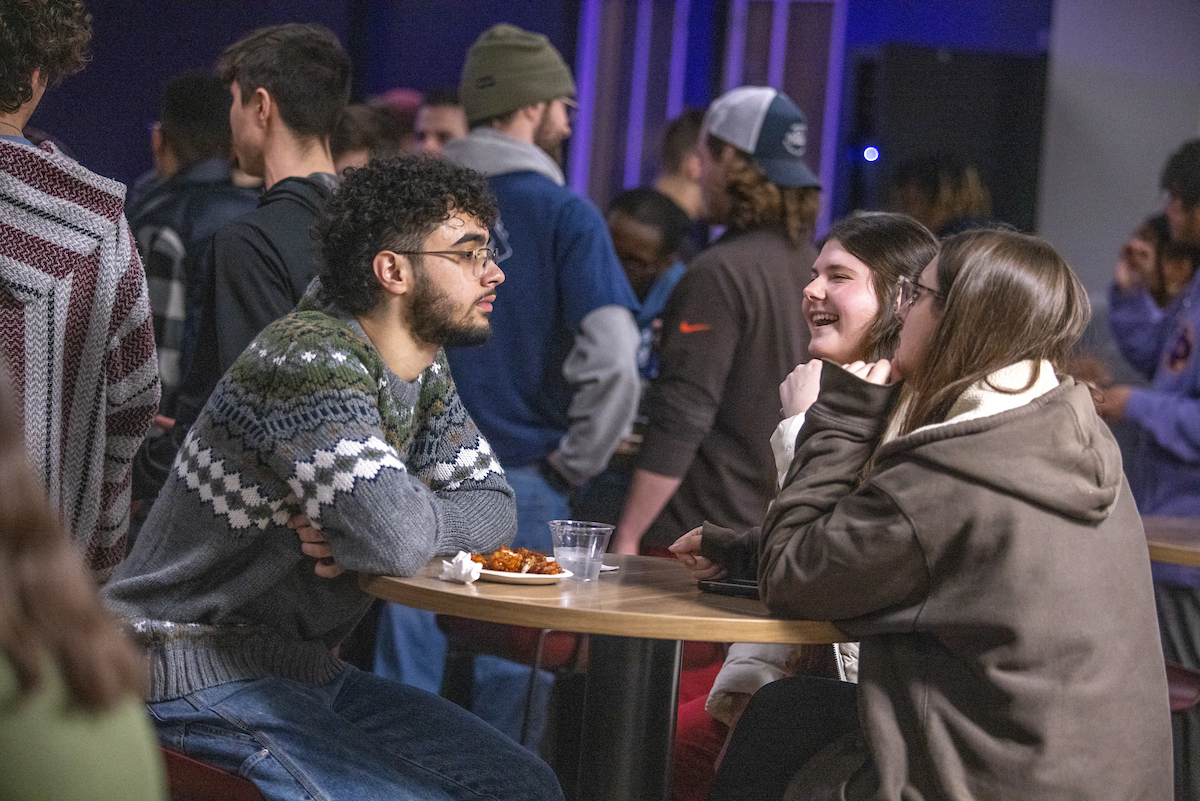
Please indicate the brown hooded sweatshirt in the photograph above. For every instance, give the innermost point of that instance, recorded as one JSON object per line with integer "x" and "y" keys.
{"x": 996, "y": 573}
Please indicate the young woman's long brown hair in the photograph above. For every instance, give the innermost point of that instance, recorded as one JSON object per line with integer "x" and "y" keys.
{"x": 1005, "y": 298}
{"x": 49, "y": 606}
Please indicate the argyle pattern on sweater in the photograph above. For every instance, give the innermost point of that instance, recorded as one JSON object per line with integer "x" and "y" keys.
{"x": 77, "y": 336}
{"x": 308, "y": 419}
{"x": 309, "y": 400}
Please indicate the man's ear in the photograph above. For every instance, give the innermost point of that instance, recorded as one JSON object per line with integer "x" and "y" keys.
{"x": 393, "y": 271}
{"x": 263, "y": 106}
{"x": 728, "y": 153}
{"x": 534, "y": 112}
{"x": 691, "y": 166}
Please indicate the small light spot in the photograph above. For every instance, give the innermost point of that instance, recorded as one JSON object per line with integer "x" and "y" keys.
{"x": 871, "y": 153}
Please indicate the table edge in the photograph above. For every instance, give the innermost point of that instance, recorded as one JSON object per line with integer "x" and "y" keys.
{"x": 618, "y": 624}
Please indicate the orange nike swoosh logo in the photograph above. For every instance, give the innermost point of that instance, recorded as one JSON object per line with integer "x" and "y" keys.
{"x": 691, "y": 328}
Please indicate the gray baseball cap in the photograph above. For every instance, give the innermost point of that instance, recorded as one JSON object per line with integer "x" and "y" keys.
{"x": 765, "y": 123}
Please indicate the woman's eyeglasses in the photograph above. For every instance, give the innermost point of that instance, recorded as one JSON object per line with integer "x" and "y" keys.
{"x": 911, "y": 291}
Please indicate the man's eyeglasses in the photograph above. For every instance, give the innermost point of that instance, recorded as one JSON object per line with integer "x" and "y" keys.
{"x": 911, "y": 291}
{"x": 572, "y": 109}
{"x": 479, "y": 257}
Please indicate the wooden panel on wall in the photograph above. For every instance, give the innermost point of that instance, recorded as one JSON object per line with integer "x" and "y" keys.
{"x": 805, "y": 77}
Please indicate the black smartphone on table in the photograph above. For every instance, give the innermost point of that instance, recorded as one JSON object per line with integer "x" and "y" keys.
{"x": 742, "y": 588}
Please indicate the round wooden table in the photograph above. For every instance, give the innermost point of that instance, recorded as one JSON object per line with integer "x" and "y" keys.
{"x": 1173, "y": 539}
{"x": 642, "y": 612}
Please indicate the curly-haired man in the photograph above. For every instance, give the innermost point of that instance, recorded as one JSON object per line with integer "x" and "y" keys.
{"x": 344, "y": 413}
{"x": 74, "y": 313}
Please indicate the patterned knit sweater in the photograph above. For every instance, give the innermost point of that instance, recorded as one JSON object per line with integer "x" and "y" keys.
{"x": 309, "y": 419}
{"x": 76, "y": 333}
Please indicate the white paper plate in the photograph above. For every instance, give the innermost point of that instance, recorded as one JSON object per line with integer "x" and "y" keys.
{"x": 505, "y": 577}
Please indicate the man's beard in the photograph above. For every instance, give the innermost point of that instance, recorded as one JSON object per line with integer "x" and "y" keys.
{"x": 431, "y": 317}
{"x": 545, "y": 138}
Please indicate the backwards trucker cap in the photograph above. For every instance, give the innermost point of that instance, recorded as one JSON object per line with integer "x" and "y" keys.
{"x": 765, "y": 123}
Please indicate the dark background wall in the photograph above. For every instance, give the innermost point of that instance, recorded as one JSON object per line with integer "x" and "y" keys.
{"x": 942, "y": 75}
{"x": 103, "y": 113}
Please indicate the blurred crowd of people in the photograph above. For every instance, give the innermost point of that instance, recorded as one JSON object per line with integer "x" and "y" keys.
{"x": 321, "y": 338}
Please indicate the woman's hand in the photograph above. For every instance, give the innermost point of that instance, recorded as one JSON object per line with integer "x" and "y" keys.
{"x": 312, "y": 543}
{"x": 799, "y": 390}
{"x": 879, "y": 372}
{"x": 687, "y": 550}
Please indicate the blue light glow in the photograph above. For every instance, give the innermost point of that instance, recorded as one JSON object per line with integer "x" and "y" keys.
{"x": 871, "y": 153}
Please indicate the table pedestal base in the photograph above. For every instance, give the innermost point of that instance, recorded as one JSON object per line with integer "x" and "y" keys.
{"x": 629, "y": 711}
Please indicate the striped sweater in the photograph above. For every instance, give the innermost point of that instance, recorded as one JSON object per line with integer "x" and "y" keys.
{"x": 308, "y": 419}
{"x": 77, "y": 336}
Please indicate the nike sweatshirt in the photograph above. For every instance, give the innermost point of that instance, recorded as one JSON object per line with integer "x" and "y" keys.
{"x": 732, "y": 331}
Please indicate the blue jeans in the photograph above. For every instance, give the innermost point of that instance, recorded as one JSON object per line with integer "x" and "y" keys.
{"x": 359, "y": 736}
{"x": 537, "y": 504}
{"x": 409, "y": 647}
{"x": 501, "y": 687}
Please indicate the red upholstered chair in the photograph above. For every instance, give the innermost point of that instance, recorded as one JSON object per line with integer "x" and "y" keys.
{"x": 1183, "y": 685}
{"x": 190, "y": 780}
{"x": 539, "y": 648}
{"x": 563, "y": 652}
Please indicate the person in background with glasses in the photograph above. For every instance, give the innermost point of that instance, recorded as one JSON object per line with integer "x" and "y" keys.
{"x": 340, "y": 420}
{"x": 557, "y": 387}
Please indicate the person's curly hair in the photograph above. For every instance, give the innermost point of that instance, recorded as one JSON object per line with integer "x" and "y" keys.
{"x": 391, "y": 204}
{"x": 755, "y": 202}
{"x": 47, "y": 35}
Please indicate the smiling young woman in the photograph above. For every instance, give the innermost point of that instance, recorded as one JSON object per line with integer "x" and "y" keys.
{"x": 850, "y": 306}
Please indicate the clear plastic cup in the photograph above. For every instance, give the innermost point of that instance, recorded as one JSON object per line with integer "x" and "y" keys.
{"x": 579, "y": 546}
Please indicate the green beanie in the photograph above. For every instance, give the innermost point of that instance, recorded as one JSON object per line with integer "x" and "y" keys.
{"x": 508, "y": 68}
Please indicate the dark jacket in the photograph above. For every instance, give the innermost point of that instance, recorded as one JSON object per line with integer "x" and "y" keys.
{"x": 192, "y": 204}
{"x": 996, "y": 572}
{"x": 732, "y": 331}
{"x": 258, "y": 268}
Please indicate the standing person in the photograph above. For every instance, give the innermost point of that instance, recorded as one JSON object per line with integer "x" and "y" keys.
{"x": 732, "y": 330}
{"x": 440, "y": 120}
{"x": 173, "y": 222}
{"x": 849, "y": 307}
{"x": 361, "y": 135}
{"x": 943, "y": 192}
{"x": 341, "y": 420}
{"x": 289, "y": 85}
{"x": 994, "y": 662}
{"x": 647, "y": 230}
{"x": 1161, "y": 343}
{"x": 557, "y": 387}
{"x": 679, "y": 176}
{"x": 78, "y": 336}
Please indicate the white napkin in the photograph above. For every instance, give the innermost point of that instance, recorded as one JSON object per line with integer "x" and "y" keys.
{"x": 461, "y": 569}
